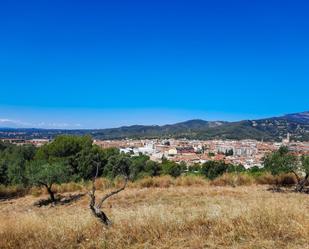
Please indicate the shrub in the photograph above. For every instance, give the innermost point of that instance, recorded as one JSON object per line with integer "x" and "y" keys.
{"x": 7, "y": 192}
{"x": 229, "y": 179}
{"x": 157, "y": 182}
{"x": 145, "y": 182}
{"x": 265, "y": 178}
{"x": 190, "y": 180}
{"x": 171, "y": 168}
{"x": 286, "y": 179}
{"x": 213, "y": 169}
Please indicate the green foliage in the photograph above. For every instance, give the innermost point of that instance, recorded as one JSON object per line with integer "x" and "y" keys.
{"x": 229, "y": 152}
{"x": 87, "y": 159}
{"x": 256, "y": 171}
{"x": 46, "y": 174}
{"x": 305, "y": 164}
{"x": 153, "y": 168}
{"x": 4, "y": 145}
{"x": 171, "y": 168}
{"x": 138, "y": 165}
{"x": 76, "y": 152}
{"x": 13, "y": 160}
{"x": 76, "y": 158}
{"x": 117, "y": 165}
{"x": 213, "y": 169}
{"x": 236, "y": 168}
{"x": 281, "y": 161}
{"x": 195, "y": 168}
{"x": 63, "y": 147}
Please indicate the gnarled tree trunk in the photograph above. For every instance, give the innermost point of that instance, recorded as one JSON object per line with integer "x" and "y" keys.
{"x": 49, "y": 191}
{"x": 51, "y": 194}
{"x": 98, "y": 213}
{"x": 96, "y": 207}
{"x": 302, "y": 183}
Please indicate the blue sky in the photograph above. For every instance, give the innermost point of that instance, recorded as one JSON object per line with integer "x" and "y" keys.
{"x": 93, "y": 64}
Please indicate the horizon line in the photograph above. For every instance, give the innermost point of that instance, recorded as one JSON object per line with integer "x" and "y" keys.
{"x": 122, "y": 126}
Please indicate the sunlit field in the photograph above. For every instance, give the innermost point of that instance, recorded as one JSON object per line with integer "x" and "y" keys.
{"x": 197, "y": 215}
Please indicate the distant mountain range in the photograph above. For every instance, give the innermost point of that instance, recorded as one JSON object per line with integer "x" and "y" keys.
{"x": 268, "y": 129}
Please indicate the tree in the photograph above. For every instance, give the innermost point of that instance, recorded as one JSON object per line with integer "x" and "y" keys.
{"x": 195, "y": 168}
{"x": 236, "y": 168}
{"x": 13, "y": 160}
{"x": 19, "y": 156}
{"x": 152, "y": 168}
{"x": 305, "y": 169}
{"x": 3, "y": 168}
{"x": 95, "y": 207}
{"x": 138, "y": 166}
{"x": 229, "y": 153}
{"x": 213, "y": 169}
{"x": 117, "y": 165}
{"x": 4, "y": 145}
{"x": 46, "y": 174}
{"x": 281, "y": 161}
{"x": 171, "y": 168}
{"x": 65, "y": 148}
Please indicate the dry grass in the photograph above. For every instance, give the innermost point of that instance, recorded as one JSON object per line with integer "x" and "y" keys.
{"x": 286, "y": 179}
{"x": 233, "y": 180}
{"x": 243, "y": 179}
{"x": 165, "y": 181}
{"x": 175, "y": 217}
{"x": 168, "y": 181}
{"x": 7, "y": 192}
{"x": 265, "y": 179}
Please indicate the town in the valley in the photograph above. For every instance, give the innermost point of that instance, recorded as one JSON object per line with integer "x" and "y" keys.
{"x": 248, "y": 153}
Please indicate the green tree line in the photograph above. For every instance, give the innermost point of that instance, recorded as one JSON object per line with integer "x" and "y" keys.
{"x": 74, "y": 158}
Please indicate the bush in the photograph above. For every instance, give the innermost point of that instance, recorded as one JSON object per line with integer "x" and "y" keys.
{"x": 157, "y": 182}
{"x": 287, "y": 179}
{"x": 7, "y": 192}
{"x": 229, "y": 179}
{"x": 171, "y": 168}
{"x": 213, "y": 169}
{"x": 167, "y": 181}
{"x": 265, "y": 178}
{"x": 190, "y": 180}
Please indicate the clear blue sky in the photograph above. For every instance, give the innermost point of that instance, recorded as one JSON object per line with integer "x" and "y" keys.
{"x": 86, "y": 64}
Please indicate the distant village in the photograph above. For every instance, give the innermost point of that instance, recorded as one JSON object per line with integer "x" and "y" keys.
{"x": 248, "y": 153}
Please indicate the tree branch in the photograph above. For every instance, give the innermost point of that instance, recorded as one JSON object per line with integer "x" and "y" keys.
{"x": 297, "y": 177}
{"x": 96, "y": 208}
{"x": 92, "y": 192}
{"x": 42, "y": 183}
{"x": 112, "y": 193}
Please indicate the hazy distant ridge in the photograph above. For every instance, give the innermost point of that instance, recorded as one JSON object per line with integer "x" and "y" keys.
{"x": 273, "y": 128}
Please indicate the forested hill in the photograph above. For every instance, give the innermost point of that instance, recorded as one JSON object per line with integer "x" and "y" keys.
{"x": 274, "y": 128}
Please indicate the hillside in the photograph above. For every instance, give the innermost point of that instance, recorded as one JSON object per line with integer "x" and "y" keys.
{"x": 273, "y": 128}
{"x": 196, "y": 216}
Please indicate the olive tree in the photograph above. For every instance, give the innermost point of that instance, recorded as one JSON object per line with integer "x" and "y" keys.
{"x": 46, "y": 174}
{"x": 116, "y": 166}
{"x": 304, "y": 169}
{"x": 283, "y": 161}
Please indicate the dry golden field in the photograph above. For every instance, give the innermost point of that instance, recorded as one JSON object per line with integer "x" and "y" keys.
{"x": 197, "y": 216}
